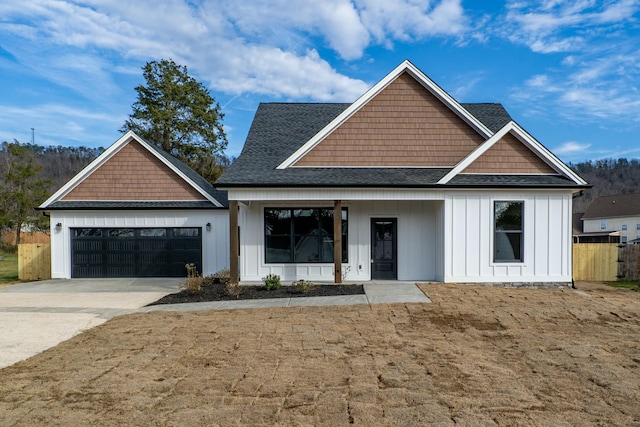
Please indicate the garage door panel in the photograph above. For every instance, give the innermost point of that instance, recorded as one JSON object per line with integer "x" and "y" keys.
{"x": 155, "y": 252}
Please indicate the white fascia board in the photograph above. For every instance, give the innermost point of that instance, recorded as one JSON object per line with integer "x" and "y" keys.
{"x": 529, "y": 141}
{"x": 547, "y": 155}
{"x": 89, "y": 169}
{"x": 178, "y": 172}
{"x": 425, "y": 81}
{"x": 475, "y": 154}
{"x": 110, "y": 152}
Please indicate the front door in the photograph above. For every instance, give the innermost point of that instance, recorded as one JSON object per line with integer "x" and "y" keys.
{"x": 384, "y": 264}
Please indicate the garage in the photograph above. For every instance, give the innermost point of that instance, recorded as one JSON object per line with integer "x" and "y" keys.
{"x": 137, "y": 211}
{"x": 134, "y": 252}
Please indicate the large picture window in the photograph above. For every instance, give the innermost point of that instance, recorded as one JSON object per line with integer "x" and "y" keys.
{"x": 508, "y": 241}
{"x": 302, "y": 235}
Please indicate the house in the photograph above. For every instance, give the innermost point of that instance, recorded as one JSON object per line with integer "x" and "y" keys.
{"x": 580, "y": 236}
{"x": 406, "y": 183}
{"x": 137, "y": 211}
{"x": 614, "y": 215}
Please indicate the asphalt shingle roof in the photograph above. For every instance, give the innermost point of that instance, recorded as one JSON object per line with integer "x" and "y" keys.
{"x": 614, "y": 206}
{"x": 108, "y": 205}
{"x": 219, "y": 195}
{"x": 279, "y": 129}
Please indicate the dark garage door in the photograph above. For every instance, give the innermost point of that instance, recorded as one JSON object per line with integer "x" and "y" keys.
{"x": 134, "y": 252}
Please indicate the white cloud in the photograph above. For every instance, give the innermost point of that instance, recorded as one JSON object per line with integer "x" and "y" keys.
{"x": 543, "y": 27}
{"x": 570, "y": 148}
{"x": 56, "y": 122}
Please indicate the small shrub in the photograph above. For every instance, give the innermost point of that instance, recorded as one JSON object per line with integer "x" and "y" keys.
{"x": 209, "y": 280}
{"x": 223, "y": 275}
{"x": 302, "y": 286}
{"x": 194, "y": 281}
{"x": 191, "y": 270}
{"x": 233, "y": 289}
{"x": 271, "y": 282}
{"x": 193, "y": 285}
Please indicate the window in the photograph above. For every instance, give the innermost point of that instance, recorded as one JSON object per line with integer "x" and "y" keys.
{"x": 121, "y": 232}
{"x": 603, "y": 224}
{"x": 153, "y": 232}
{"x": 623, "y": 239}
{"x": 508, "y": 232}
{"x": 302, "y": 235}
{"x": 87, "y": 232}
{"x": 624, "y": 227}
{"x": 186, "y": 232}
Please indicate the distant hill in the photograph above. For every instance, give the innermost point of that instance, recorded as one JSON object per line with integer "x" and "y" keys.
{"x": 59, "y": 164}
{"x": 608, "y": 177}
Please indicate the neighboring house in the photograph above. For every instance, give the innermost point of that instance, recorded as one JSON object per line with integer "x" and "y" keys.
{"x": 615, "y": 215}
{"x": 580, "y": 236}
{"x": 137, "y": 211}
{"x": 405, "y": 183}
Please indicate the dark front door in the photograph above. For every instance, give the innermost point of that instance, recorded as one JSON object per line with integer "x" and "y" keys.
{"x": 384, "y": 252}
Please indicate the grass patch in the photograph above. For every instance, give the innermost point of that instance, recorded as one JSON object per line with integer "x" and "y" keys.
{"x": 627, "y": 284}
{"x": 8, "y": 268}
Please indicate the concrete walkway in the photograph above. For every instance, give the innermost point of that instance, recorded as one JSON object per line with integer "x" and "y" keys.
{"x": 376, "y": 292}
{"x": 35, "y": 316}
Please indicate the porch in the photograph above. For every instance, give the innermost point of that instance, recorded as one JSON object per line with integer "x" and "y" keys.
{"x": 335, "y": 241}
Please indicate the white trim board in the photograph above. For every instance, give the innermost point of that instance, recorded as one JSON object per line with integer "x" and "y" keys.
{"x": 425, "y": 81}
{"x": 108, "y": 154}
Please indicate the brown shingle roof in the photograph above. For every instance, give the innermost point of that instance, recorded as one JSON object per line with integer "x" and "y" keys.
{"x": 614, "y": 206}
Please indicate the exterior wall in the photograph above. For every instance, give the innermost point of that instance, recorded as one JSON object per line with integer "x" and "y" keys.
{"x": 133, "y": 173}
{"x": 419, "y": 241}
{"x": 509, "y": 156}
{"x": 442, "y": 236}
{"x": 615, "y": 224}
{"x": 469, "y": 238}
{"x": 403, "y": 125}
{"x": 215, "y": 243}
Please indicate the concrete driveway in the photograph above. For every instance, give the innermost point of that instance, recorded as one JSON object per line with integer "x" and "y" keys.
{"x": 35, "y": 316}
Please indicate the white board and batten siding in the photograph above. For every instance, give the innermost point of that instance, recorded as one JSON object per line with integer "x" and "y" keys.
{"x": 441, "y": 236}
{"x": 215, "y": 243}
{"x": 418, "y": 238}
{"x": 469, "y": 239}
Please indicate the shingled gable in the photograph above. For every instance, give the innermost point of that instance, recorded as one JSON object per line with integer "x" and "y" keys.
{"x": 286, "y": 144}
{"x": 135, "y": 174}
{"x": 405, "y": 120}
{"x": 517, "y": 144}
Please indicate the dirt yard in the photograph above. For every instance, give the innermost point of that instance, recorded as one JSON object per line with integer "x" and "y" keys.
{"x": 475, "y": 356}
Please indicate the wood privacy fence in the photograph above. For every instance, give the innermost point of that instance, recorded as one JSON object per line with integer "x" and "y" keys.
{"x": 606, "y": 262}
{"x": 595, "y": 261}
{"x": 34, "y": 261}
{"x": 628, "y": 262}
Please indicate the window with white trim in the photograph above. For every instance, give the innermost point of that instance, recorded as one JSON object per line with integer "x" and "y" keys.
{"x": 603, "y": 224}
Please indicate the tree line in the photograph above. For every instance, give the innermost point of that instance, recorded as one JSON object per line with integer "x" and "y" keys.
{"x": 173, "y": 110}
{"x": 608, "y": 177}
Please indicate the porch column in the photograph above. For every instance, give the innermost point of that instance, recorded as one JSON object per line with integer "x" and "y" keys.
{"x": 337, "y": 241}
{"x": 233, "y": 241}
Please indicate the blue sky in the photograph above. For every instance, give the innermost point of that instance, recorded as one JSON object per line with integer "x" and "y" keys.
{"x": 567, "y": 71}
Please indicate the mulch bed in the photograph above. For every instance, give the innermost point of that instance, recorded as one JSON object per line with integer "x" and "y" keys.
{"x": 217, "y": 292}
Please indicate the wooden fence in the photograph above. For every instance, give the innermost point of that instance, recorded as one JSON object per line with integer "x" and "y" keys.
{"x": 9, "y": 237}
{"x": 595, "y": 261}
{"x": 34, "y": 261}
{"x": 628, "y": 265}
